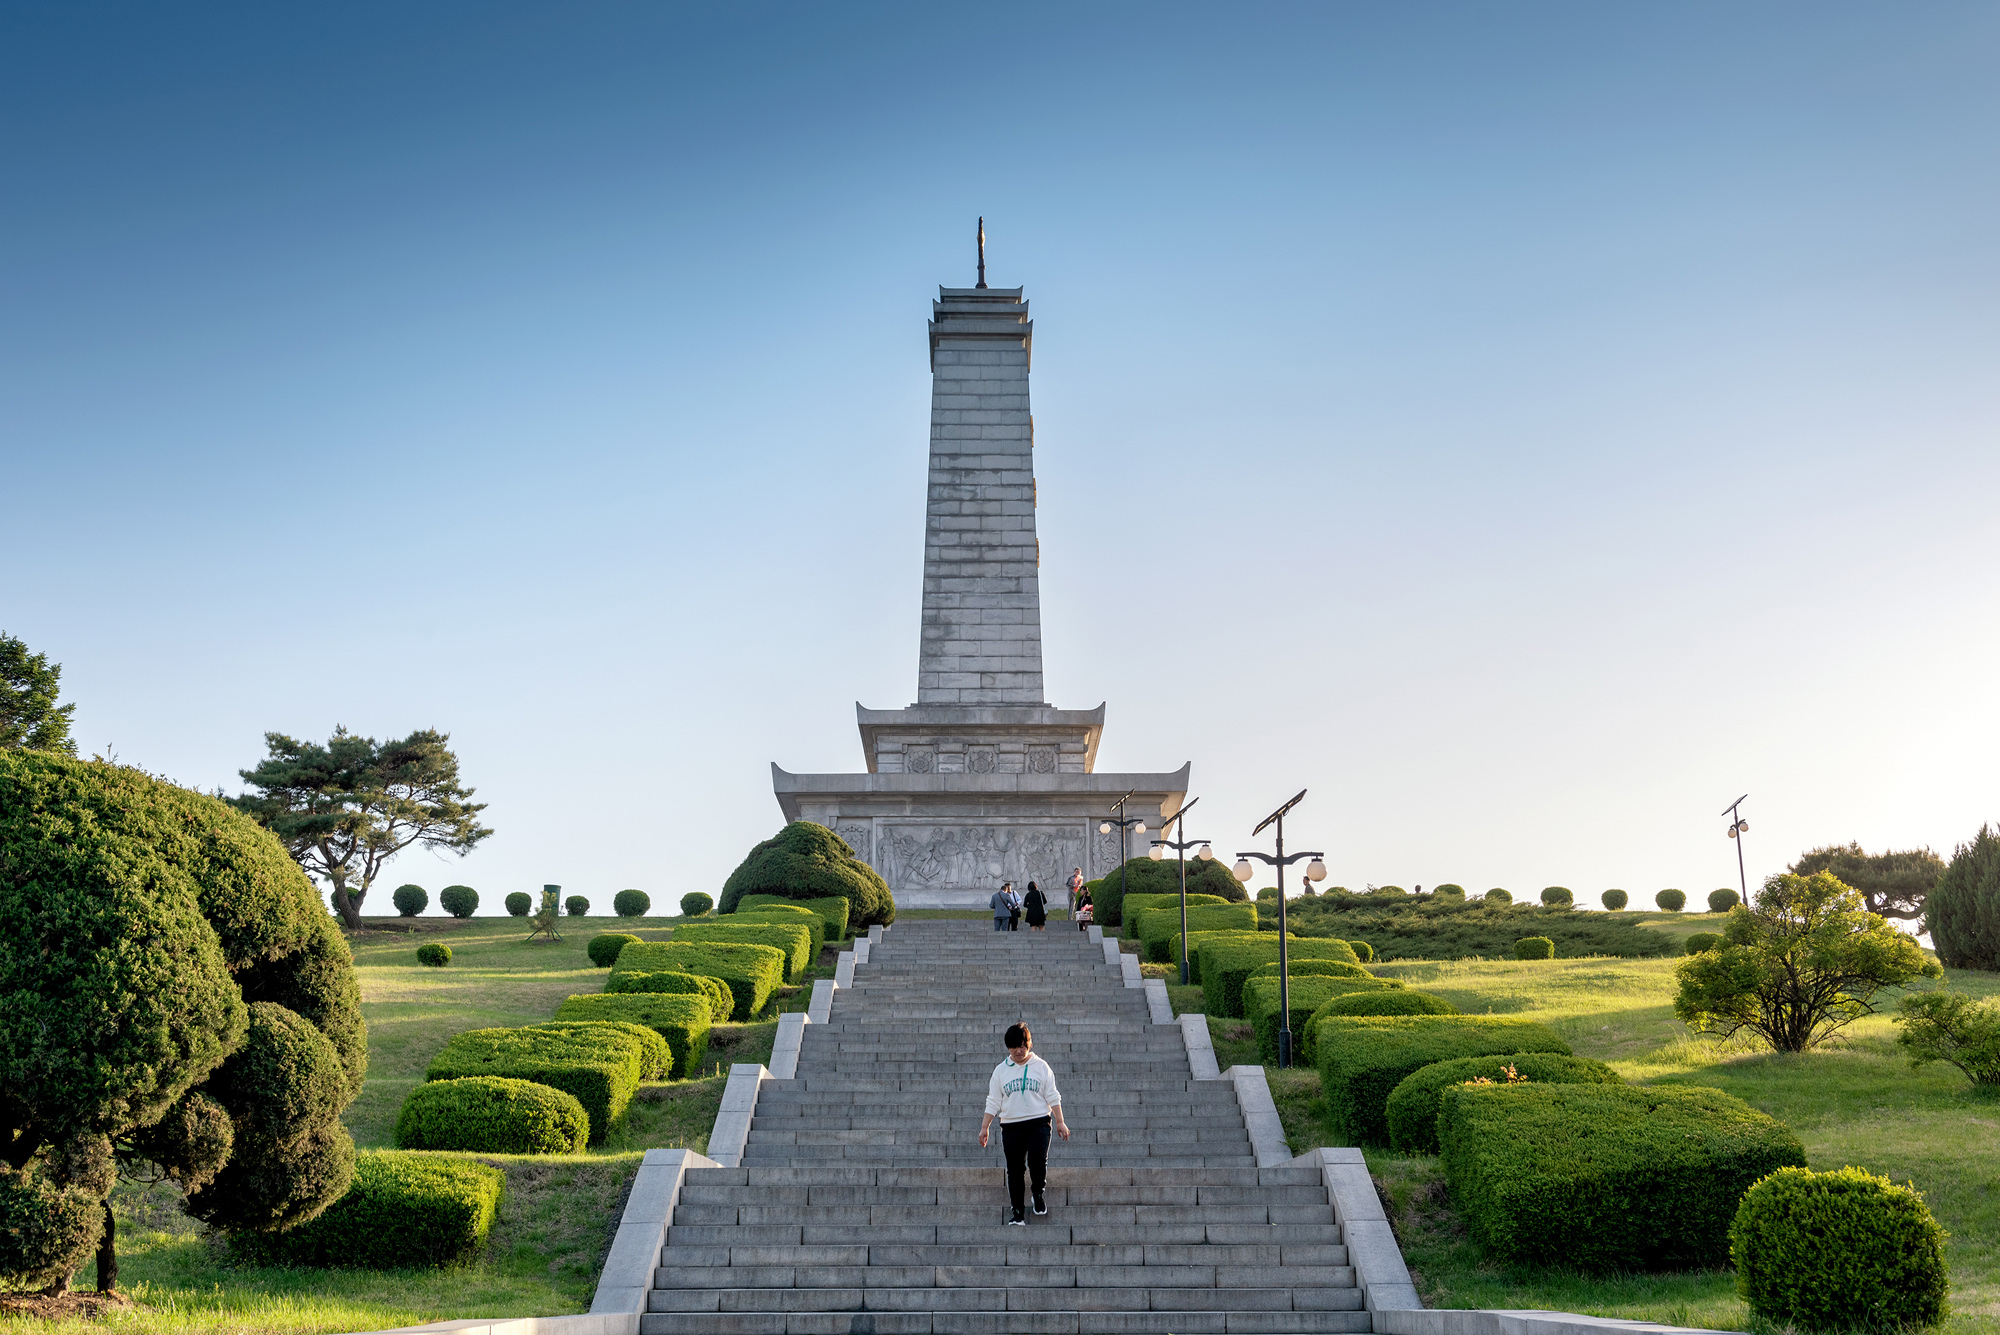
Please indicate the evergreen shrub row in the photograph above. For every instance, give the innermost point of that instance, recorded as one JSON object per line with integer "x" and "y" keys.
{"x": 487, "y": 1114}
{"x": 683, "y": 1019}
{"x": 404, "y": 1210}
{"x": 1413, "y": 1104}
{"x": 1157, "y": 927}
{"x": 1226, "y": 963}
{"x": 793, "y": 943}
{"x": 1310, "y": 992}
{"x": 1362, "y": 1059}
{"x": 752, "y": 972}
{"x": 833, "y": 908}
{"x": 721, "y": 1001}
{"x": 1605, "y": 1177}
{"x": 604, "y": 947}
{"x": 791, "y": 915}
{"x": 656, "y": 1059}
{"x": 598, "y": 1065}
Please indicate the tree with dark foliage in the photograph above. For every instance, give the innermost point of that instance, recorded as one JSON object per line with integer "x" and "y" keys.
{"x": 1891, "y": 883}
{"x": 29, "y": 715}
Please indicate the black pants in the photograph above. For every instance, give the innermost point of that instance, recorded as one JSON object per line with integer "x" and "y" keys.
{"x": 1027, "y": 1146}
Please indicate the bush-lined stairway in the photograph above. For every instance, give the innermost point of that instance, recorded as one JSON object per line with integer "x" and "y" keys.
{"x": 864, "y": 1204}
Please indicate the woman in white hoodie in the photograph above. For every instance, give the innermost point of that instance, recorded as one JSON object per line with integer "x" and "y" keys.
{"x": 1023, "y": 1095}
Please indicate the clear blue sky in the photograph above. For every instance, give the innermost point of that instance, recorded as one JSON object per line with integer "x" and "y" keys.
{"x": 1528, "y": 427}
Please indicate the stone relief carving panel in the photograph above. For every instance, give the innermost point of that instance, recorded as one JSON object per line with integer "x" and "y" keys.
{"x": 1041, "y": 760}
{"x": 919, "y": 760}
{"x": 978, "y": 857}
{"x": 860, "y": 836}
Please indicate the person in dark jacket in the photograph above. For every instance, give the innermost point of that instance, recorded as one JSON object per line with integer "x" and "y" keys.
{"x": 1036, "y": 908}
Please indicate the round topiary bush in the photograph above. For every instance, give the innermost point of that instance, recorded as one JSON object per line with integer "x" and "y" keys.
{"x": 631, "y": 903}
{"x": 434, "y": 953}
{"x": 1448, "y": 891}
{"x": 604, "y": 947}
{"x": 576, "y": 906}
{"x": 809, "y": 861}
{"x": 1615, "y": 901}
{"x": 486, "y": 1114}
{"x": 1498, "y": 896}
{"x": 1837, "y": 1250}
{"x": 1672, "y": 901}
{"x": 1557, "y": 896}
{"x": 1388, "y": 1002}
{"x": 1413, "y": 1104}
{"x": 1701, "y": 941}
{"x": 519, "y": 903}
{"x": 460, "y": 901}
{"x": 1534, "y": 948}
{"x": 410, "y": 900}
{"x": 1363, "y": 951}
{"x": 695, "y": 903}
{"x": 1721, "y": 901}
{"x": 1390, "y": 890}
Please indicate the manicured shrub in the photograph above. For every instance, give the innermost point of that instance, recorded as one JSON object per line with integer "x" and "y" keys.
{"x": 1615, "y": 901}
{"x": 791, "y": 915}
{"x": 485, "y": 1114}
{"x": 410, "y": 900}
{"x": 1962, "y": 910}
{"x": 1557, "y": 896}
{"x": 576, "y": 906}
{"x": 1671, "y": 901}
{"x": 1498, "y": 896}
{"x": 1266, "y": 895}
{"x": 460, "y": 901}
{"x": 752, "y": 972}
{"x": 1952, "y": 1027}
{"x": 1227, "y": 961}
{"x": 807, "y": 861}
{"x": 406, "y": 1209}
{"x": 1534, "y": 948}
{"x": 1138, "y": 903}
{"x": 47, "y": 1229}
{"x": 683, "y": 1019}
{"x": 1143, "y": 876}
{"x": 1700, "y": 941}
{"x": 434, "y": 953}
{"x": 834, "y": 909}
{"x": 631, "y": 903}
{"x": 1362, "y": 951}
{"x": 1448, "y": 891}
{"x": 601, "y": 1068}
{"x": 1194, "y": 943}
{"x": 722, "y": 1003}
{"x": 656, "y": 1059}
{"x": 1362, "y": 1059}
{"x": 695, "y": 903}
{"x": 1721, "y": 901}
{"x": 1309, "y": 968}
{"x": 1311, "y": 995}
{"x": 1157, "y": 927}
{"x": 1397, "y": 1002}
{"x": 604, "y": 947}
{"x": 1838, "y": 1250}
{"x": 1413, "y": 1104}
{"x": 1433, "y": 928}
{"x": 519, "y": 903}
{"x": 795, "y": 942}
{"x": 1605, "y": 1177}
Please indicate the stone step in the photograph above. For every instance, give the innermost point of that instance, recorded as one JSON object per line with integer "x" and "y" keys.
{"x": 1088, "y": 1275}
{"x": 943, "y": 1216}
{"x": 891, "y": 1256}
{"x": 974, "y": 1178}
{"x": 1043, "y": 1230}
{"x": 1056, "y": 1194}
{"x": 1017, "y": 1321}
{"x": 1003, "y": 1289}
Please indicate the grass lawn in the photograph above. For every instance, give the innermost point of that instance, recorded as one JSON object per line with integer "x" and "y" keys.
{"x": 1855, "y": 1102}
{"x": 559, "y": 1211}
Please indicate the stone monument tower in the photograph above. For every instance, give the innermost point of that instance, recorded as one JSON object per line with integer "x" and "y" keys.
{"x": 981, "y": 780}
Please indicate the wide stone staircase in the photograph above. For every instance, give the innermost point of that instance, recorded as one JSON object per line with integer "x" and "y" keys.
{"x": 864, "y": 1205}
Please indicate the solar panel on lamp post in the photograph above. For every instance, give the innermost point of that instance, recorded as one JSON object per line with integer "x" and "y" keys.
{"x": 1316, "y": 871}
{"x": 1158, "y": 851}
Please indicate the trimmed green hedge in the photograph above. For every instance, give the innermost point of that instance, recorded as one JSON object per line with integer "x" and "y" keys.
{"x": 1310, "y": 994}
{"x": 1413, "y": 1105}
{"x": 1194, "y": 960}
{"x": 806, "y": 861}
{"x": 833, "y": 908}
{"x": 721, "y": 1001}
{"x": 490, "y": 1114}
{"x": 405, "y": 1209}
{"x": 604, "y": 947}
{"x": 1143, "y": 876}
{"x": 1362, "y": 1059}
{"x": 1827, "y": 1251}
{"x": 1534, "y": 948}
{"x": 1605, "y": 1177}
{"x": 1308, "y": 968}
{"x": 752, "y": 972}
{"x": 1225, "y": 964}
{"x": 794, "y": 942}
{"x": 1390, "y": 1003}
{"x": 434, "y": 953}
{"x": 791, "y": 915}
{"x": 599, "y": 1067}
{"x": 656, "y": 1059}
{"x": 1698, "y": 942}
{"x": 1307, "y": 1048}
{"x": 1157, "y": 927}
{"x": 683, "y": 1019}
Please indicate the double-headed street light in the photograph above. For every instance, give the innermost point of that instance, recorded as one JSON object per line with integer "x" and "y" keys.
{"x": 1739, "y": 826}
{"x": 1159, "y": 850}
{"x": 1315, "y": 870}
{"x": 1136, "y": 824}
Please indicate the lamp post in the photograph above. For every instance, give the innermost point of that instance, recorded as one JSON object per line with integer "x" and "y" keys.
{"x": 1137, "y": 824}
{"x": 1315, "y": 870}
{"x": 1159, "y": 850}
{"x": 1737, "y": 826}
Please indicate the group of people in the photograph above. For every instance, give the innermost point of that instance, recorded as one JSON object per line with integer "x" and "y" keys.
{"x": 1010, "y": 908}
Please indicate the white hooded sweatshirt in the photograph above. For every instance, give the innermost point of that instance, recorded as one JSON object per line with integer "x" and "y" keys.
{"x": 1022, "y": 1093}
